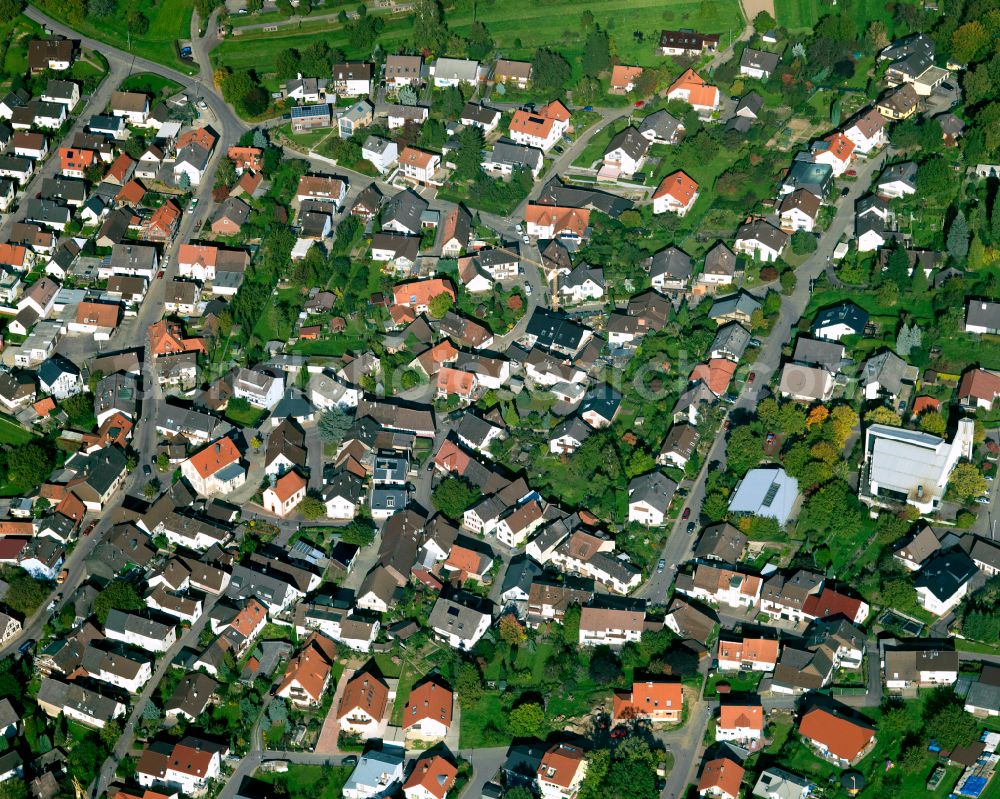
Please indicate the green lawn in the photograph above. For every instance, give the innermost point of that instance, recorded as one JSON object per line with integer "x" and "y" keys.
{"x": 305, "y": 141}
{"x": 12, "y": 433}
{"x": 598, "y": 144}
{"x": 16, "y": 35}
{"x": 244, "y": 419}
{"x": 308, "y": 782}
{"x": 169, "y": 21}
{"x": 518, "y": 29}
{"x": 804, "y": 14}
{"x": 154, "y": 85}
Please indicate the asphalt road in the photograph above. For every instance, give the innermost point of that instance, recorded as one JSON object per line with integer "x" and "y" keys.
{"x": 678, "y": 547}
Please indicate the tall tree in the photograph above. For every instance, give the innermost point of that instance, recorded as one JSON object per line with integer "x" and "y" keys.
{"x": 469, "y": 156}
{"x": 549, "y": 71}
{"x": 958, "y": 237}
{"x": 429, "y": 29}
{"x": 596, "y": 53}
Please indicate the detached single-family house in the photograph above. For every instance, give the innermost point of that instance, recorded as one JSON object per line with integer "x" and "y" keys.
{"x": 677, "y": 193}
{"x": 758, "y": 63}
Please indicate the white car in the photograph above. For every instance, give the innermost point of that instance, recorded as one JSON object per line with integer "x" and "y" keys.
{"x": 526, "y": 240}
{"x": 517, "y": 227}
{"x": 527, "y": 289}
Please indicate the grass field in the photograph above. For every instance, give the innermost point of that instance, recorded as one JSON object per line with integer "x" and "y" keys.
{"x": 308, "y": 782}
{"x": 16, "y": 35}
{"x": 804, "y": 14}
{"x": 12, "y": 433}
{"x": 147, "y": 82}
{"x": 517, "y": 29}
{"x": 169, "y": 20}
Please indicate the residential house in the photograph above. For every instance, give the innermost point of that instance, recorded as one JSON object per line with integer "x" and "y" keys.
{"x": 943, "y": 581}
{"x": 806, "y": 383}
{"x": 458, "y": 623}
{"x": 897, "y": 180}
{"x": 721, "y": 585}
{"x": 692, "y": 89}
{"x": 758, "y": 63}
{"x": 867, "y": 131}
{"x": 836, "y": 737}
{"x": 514, "y": 73}
{"x": 132, "y": 106}
{"x": 480, "y": 116}
{"x": 352, "y": 79}
{"x": 649, "y": 498}
{"x": 428, "y": 713}
{"x": 661, "y": 127}
{"x": 766, "y": 492}
{"x": 382, "y": 154}
{"x": 687, "y": 43}
{"x": 982, "y": 316}
{"x": 837, "y": 321}
{"x": 918, "y": 663}
{"x": 760, "y": 239}
{"x": 677, "y": 193}
{"x": 358, "y": 116}
{"x": 625, "y": 154}
{"x": 540, "y": 129}
{"x": 612, "y": 627}
{"x": 721, "y": 777}
{"x": 455, "y": 71}
{"x": 623, "y": 78}
{"x": 649, "y": 700}
{"x": 286, "y": 493}
{"x": 404, "y": 70}
{"x": 561, "y": 771}
{"x": 364, "y": 703}
{"x": 741, "y": 723}
{"x": 798, "y": 211}
{"x": 215, "y": 469}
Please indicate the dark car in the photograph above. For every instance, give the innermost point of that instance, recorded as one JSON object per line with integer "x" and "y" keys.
{"x": 845, "y": 191}
{"x": 691, "y": 527}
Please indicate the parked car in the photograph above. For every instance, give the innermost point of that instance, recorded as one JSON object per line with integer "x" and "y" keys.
{"x": 686, "y": 514}
{"x": 61, "y": 578}
{"x": 588, "y": 108}
{"x": 983, "y": 500}
{"x": 751, "y": 377}
{"x": 690, "y": 527}
{"x": 661, "y": 565}
{"x": 526, "y": 240}
{"x": 527, "y": 289}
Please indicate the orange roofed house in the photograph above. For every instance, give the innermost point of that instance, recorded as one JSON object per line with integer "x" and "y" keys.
{"x": 748, "y": 654}
{"x": 561, "y": 772}
{"x": 419, "y": 166}
{"x": 651, "y": 700}
{"x": 693, "y": 90}
{"x": 432, "y": 777}
{"x": 187, "y": 766}
{"x": 836, "y": 738}
{"x": 541, "y": 129}
{"x": 721, "y": 778}
{"x": 428, "y": 712}
{"x": 308, "y": 673}
{"x": 74, "y": 162}
{"x": 676, "y": 194}
{"x": 244, "y": 158}
{"x": 363, "y": 706}
{"x": 287, "y": 492}
{"x": 742, "y": 723}
{"x": 455, "y": 381}
{"x": 215, "y": 469}
{"x": 97, "y": 318}
{"x": 163, "y": 223}
{"x": 247, "y": 625}
{"x": 716, "y": 374}
{"x": 623, "y": 78}
{"x": 167, "y": 338}
{"x": 836, "y": 150}
{"x": 553, "y": 221}
{"x": 417, "y": 294}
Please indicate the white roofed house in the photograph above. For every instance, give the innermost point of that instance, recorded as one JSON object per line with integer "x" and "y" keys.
{"x": 260, "y": 389}
{"x": 454, "y": 71}
{"x": 766, "y": 492}
{"x": 912, "y": 467}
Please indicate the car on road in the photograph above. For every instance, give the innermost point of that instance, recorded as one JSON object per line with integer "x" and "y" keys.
{"x": 851, "y": 173}
{"x": 90, "y": 528}
{"x": 690, "y": 527}
{"x": 661, "y": 565}
{"x": 146, "y": 470}
{"x": 845, "y": 191}
{"x": 725, "y": 424}
{"x": 194, "y": 204}
{"x": 988, "y": 478}
{"x": 588, "y": 108}
{"x": 983, "y": 500}
{"x": 430, "y": 466}
{"x": 517, "y": 227}
{"x": 26, "y": 646}
{"x": 754, "y": 342}
{"x": 61, "y": 578}
{"x": 527, "y": 289}
{"x": 526, "y": 240}
{"x": 751, "y": 377}
{"x": 686, "y": 514}
{"x": 204, "y": 106}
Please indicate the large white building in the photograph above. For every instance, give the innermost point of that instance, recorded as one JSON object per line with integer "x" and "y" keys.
{"x": 911, "y": 466}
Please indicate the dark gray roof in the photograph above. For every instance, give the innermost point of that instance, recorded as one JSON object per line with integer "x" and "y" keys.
{"x": 763, "y": 231}
{"x": 720, "y": 260}
{"x": 731, "y": 338}
{"x": 846, "y": 313}
{"x": 945, "y": 574}
{"x": 516, "y": 155}
{"x": 671, "y": 262}
{"x": 905, "y": 172}
{"x": 631, "y": 142}
{"x": 759, "y": 59}
{"x": 663, "y": 124}
{"x": 742, "y": 302}
{"x": 655, "y": 489}
{"x": 816, "y": 352}
{"x": 405, "y": 209}
{"x": 555, "y": 193}
{"x": 751, "y": 103}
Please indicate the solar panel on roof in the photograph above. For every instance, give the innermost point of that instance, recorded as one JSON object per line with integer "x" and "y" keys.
{"x": 772, "y": 492}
